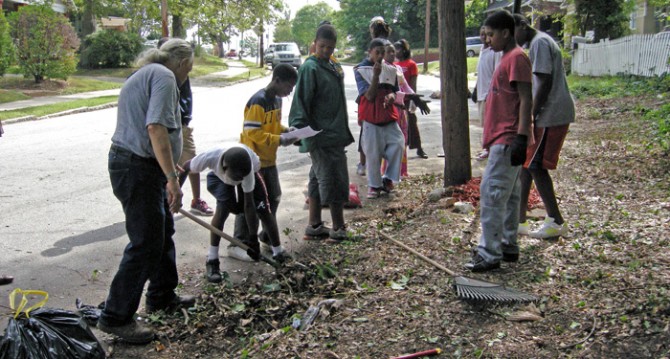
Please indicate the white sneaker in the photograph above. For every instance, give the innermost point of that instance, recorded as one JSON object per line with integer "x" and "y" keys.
{"x": 360, "y": 169}
{"x": 550, "y": 229}
{"x": 524, "y": 229}
{"x": 239, "y": 253}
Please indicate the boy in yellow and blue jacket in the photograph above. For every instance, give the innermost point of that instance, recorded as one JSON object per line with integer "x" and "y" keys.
{"x": 262, "y": 133}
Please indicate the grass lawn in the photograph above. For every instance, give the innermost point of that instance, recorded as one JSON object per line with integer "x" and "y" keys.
{"x": 435, "y": 65}
{"x": 16, "y": 88}
{"x": 38, "y": 111}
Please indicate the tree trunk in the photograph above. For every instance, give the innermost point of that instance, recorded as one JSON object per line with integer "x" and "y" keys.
{"x": 164, "y": 19}
{"x": 219, "y": 45}
{"x": 427, "y": 39}
{"x": 454, "y": 89}
{"x": 87, "y": 19}
{"x": 178, "y": 27}
{"x": 261, "y": 49}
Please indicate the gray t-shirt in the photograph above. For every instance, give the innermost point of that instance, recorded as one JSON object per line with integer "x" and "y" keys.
{"x": 149, "y": 96}
{"x": 546, "y": 58}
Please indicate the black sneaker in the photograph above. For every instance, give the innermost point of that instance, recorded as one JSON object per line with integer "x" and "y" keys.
{"x": 421, "y": 153}
{"x": 178, "y": 302}
{"x": 134, "y": 333}
{"x": 213, "y": 272}
{"x": 282, "y": 257}
{"x": 478, "y": 264}
{"x": 510, "y": 257}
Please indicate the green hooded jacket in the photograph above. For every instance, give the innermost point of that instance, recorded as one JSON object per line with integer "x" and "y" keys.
{"x": 319, "y": 102}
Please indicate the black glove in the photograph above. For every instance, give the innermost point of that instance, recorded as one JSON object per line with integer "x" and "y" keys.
{"x": 474, "y": 95}
{"x": 254, "y": 250}
{"x": 518, "y": 150}
{"x": 421, "y": 104}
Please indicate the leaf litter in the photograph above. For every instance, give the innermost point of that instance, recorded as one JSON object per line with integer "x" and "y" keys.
{"x": 603, "y": 289}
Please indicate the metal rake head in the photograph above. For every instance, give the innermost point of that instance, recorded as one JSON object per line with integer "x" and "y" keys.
{"x": 479, "y": 291}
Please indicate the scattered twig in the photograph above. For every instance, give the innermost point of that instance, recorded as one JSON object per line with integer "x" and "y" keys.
{"x": 593, "y": 329}
{"x": 186, "y": 317}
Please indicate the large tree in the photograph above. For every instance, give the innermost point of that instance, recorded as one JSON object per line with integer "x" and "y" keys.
{"x": 406, "y": 18}
{"x": 475, "y": 16}
{"x": 607, "y": 18}
{"x": 46, "y": 43}
{"x": 306, "y": 21}
{"x": 6, "y": 45}
{"x": 283, "y": 31}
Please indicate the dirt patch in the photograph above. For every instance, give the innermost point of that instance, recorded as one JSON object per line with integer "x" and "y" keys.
{"x": 603, "y": 290}
{"x": 28, "y": 87}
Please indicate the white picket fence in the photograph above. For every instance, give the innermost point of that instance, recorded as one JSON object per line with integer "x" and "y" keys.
{"x": 642, "y": 55}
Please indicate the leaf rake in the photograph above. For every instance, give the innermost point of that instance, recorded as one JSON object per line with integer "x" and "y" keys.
{"x": 225, "y": 236}
{"x": 473, "y": 290}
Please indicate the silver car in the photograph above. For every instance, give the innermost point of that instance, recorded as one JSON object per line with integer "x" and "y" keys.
{"x": 473, "y": 45}
{"x": 285, "y": 53}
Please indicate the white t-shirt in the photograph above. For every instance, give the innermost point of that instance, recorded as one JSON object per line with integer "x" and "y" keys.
{"x": 212, "y": 159}
{"x": 488, "y": 61}
{"x": 545, "y": 56}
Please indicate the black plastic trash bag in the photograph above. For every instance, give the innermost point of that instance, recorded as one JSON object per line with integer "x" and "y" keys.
{"x": 48, "y": 333}
{"x": 90, "y": 313}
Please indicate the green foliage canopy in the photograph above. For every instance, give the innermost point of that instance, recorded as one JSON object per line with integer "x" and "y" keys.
{"x": 607, "y": 18}
{"x": 46, "y": 43}
{"x": 6, "y": 45}
{"x": 407, "y": 19}
{"x": 110, "y": 49}
{"x": 306, "y": 21}
{"x": 475, "y": 16}
{"x": 283, "y": 31}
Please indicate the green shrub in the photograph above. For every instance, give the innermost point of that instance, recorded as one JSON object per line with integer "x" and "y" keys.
{"x": 46, "y": 43}
{"x": 6, "y": 46}
{"x": 662, "y": 127}
{"x": 110, "y": 49}
{"x": 567, "y": 60}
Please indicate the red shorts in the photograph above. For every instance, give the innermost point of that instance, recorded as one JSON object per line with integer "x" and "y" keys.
{"x": 543, "y": 154}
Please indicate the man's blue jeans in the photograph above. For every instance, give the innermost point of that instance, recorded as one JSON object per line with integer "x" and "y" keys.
{"x": 499, "y": 202}
{"x": 139, "y": 184}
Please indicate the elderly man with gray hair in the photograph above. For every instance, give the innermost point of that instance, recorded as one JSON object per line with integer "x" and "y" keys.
{"x": 142, "y": 164}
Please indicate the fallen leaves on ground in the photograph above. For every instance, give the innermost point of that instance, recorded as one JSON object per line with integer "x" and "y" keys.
{"x": 603, "y": 289}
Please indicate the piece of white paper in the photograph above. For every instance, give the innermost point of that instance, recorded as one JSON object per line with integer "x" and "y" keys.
{"x": 300, "y": 133}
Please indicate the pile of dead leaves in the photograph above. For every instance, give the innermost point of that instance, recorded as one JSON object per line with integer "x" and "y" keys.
{"x": 603, "y": 289}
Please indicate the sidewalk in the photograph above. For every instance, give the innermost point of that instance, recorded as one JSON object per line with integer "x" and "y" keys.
{"x": 234, "y": 68}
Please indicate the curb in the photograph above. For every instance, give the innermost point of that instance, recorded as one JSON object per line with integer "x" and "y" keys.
{"x": 62, "y": 113}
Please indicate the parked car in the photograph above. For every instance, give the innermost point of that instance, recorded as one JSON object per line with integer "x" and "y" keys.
{"x": 285, "y": 53}
{"x": 268, "y": 54}
{"x": 473, "y": 45}
{"x": 231, "y": 54}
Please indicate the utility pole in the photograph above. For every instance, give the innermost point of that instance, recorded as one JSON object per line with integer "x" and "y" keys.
{"x": 164, "y": 19}
{"x": 517, "y": 7}
{"x": 427, "y": 40}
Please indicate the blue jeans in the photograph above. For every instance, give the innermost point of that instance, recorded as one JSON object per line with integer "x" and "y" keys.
{"x": 499, "y": 202}
{"x": 139, "y": 184}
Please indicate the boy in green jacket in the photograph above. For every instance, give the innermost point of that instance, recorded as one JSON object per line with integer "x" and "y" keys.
{"x": 319, "y": 102}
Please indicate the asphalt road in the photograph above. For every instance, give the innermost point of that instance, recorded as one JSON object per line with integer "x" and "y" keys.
{"x": 62, "y": 230}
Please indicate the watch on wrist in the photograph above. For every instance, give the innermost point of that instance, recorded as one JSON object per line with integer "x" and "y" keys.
{"x": 173, "y": 174}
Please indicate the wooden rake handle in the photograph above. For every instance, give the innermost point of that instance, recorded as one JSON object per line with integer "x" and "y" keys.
{"x": 403, "y": 245}
{"x": 223, "y": 235}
